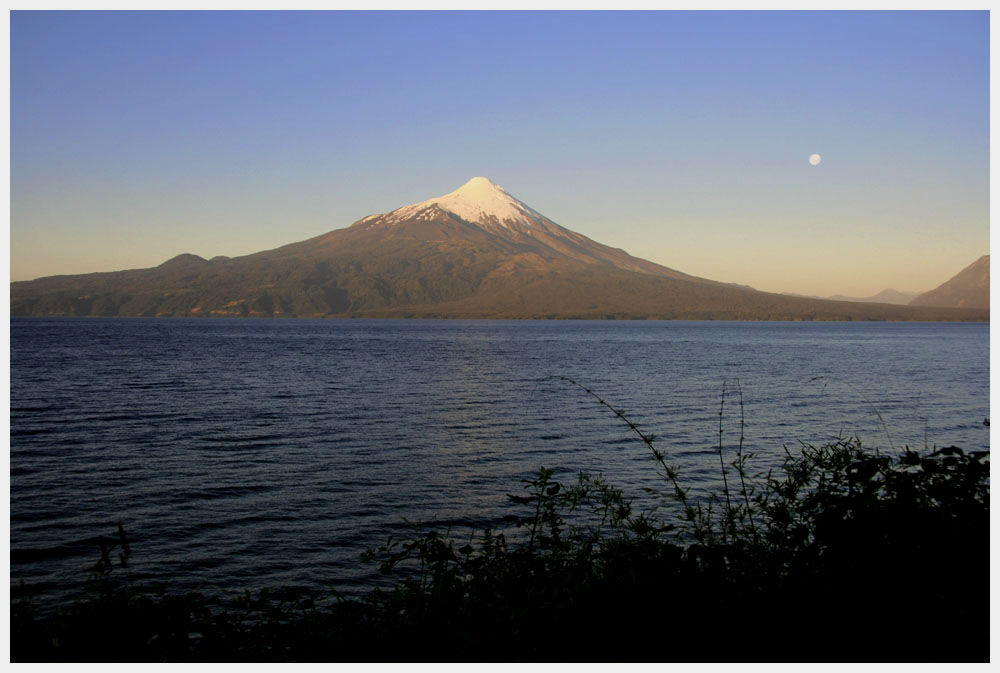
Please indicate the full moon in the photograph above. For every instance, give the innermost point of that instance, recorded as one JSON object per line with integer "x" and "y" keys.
{"x": 815, "y": 159}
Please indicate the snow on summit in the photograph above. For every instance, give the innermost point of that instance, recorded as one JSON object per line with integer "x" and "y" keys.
{"x": 479, "y": 200}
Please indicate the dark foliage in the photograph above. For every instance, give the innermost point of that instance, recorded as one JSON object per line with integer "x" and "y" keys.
{"x": 847, "y": 554}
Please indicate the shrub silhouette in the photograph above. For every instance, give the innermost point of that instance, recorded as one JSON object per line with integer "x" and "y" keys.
{"x": 842, "y": 554}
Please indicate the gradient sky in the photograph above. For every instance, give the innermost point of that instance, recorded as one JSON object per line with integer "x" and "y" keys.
{"x": 683, "y": 137}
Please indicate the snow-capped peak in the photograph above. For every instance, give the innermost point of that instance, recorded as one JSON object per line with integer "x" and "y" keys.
{"x": 479, "y": 200}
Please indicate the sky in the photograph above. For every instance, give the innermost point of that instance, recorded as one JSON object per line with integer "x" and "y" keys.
{"x": 683, "y": 137}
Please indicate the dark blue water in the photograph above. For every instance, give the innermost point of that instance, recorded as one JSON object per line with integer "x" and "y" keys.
{"x": 241, "y": 454}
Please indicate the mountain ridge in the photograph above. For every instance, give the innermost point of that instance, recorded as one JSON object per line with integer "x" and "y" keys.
{"x": 969, "y": 288}
{"x": 474, "y": 252}
{"x": 886, "y": 296}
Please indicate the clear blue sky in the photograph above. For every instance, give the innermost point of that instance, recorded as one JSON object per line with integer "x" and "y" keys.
{"x": 683, "y": 137}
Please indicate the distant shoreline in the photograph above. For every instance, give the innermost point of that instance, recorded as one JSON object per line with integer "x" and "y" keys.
{"x": 984, "y": 319}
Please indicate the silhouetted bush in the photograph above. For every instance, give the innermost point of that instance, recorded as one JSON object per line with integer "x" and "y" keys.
{"x": 845, "y": 554}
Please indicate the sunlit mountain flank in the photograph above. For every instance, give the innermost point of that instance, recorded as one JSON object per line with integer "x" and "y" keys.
{"x": 477, "y": 252}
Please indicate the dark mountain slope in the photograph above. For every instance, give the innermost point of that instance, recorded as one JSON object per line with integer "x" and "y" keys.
{"x": 476, "y": 252}
{"x": 970, "y": 288}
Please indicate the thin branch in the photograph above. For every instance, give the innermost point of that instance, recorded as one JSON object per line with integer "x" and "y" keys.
{"x": 670, "y": 472}
{"x": 722, "y": 464}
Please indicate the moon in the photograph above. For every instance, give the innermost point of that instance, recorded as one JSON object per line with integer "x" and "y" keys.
{"x": 814, "y": 159}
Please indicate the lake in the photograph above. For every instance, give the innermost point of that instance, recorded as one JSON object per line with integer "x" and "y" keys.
{"x": 240, "y": 454}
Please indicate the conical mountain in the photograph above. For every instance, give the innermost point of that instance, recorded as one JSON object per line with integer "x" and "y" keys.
{"x": 969, "y": 288}
{"x": 475, "y": 252}
{"x": 479, "y": 214}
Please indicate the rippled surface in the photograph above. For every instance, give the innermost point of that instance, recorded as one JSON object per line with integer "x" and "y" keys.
{"x": 241, "y": 454}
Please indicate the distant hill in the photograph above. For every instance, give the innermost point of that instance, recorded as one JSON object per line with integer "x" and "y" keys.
{"x": 886, "y": 296}
{"x": 970, "y": 288}
{"x": 474, "y": 253}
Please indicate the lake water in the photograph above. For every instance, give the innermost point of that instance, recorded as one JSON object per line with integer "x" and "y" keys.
{"x": 248, "y": 453}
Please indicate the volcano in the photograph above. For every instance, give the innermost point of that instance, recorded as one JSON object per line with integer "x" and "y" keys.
{"x": 476, "y": 252}
{"x": 970, "y": 288}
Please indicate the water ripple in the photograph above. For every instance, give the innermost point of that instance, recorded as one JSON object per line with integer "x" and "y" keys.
{"x": 241, "y": 454}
